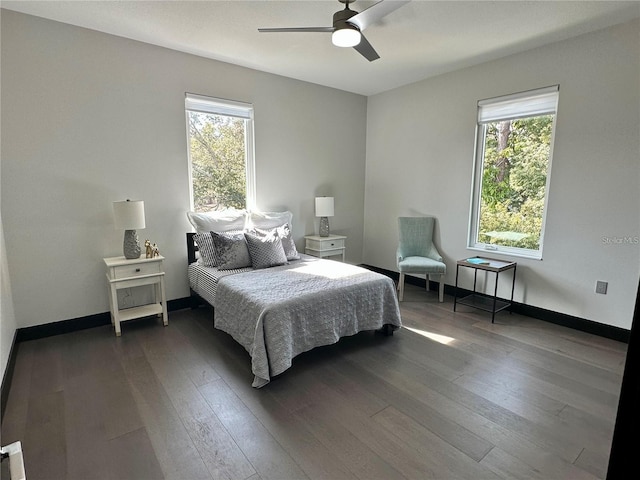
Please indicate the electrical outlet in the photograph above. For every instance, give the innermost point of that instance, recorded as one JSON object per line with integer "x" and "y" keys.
{"x": 601, "y": 287}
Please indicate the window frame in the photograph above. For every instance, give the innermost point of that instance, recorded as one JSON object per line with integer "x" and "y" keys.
{"x": 229, "y": 108}
{"x": 497, "y": 113}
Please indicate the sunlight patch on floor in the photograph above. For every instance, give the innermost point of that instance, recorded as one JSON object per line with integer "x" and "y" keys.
{"x": 432, "y": 336}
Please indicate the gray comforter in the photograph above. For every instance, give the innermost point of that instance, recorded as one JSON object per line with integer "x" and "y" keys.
{"x": 280, "y": 312}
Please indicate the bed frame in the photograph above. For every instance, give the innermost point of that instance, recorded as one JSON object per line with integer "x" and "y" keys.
{"x": 192, "y": 248}
{"x": 195, "y": 300}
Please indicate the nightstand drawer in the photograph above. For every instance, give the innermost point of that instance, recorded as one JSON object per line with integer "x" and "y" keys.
{"x": 321, "y": 245}
{"x": 127, "y": 271}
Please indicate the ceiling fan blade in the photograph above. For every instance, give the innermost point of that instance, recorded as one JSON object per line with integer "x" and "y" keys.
{"x": 298, "y": 29}
{"x": 365, "y": 49}
{"x": 375, "y": 12}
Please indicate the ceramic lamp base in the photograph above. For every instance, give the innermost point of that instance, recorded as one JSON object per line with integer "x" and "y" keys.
{"x": 131, "y": 245}
{"x": 324, "y": 227}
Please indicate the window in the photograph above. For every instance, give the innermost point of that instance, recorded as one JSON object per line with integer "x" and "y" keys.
{"x": 220, "y": 143}
{"x": 514, "y": 142}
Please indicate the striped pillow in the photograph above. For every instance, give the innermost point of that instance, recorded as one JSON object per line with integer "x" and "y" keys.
{"x": 206, "y": 249}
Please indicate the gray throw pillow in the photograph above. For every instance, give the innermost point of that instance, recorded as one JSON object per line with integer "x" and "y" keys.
{"x": 231, "y": 250}
{"x": 284, "y": 232}
{"x": 265, "y": 251}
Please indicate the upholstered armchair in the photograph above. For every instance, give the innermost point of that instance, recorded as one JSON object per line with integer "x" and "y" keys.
{"x": 417, "y": 253}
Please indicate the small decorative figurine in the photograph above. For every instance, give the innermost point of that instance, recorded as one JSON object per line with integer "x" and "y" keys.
{"x": 148, "y": 249}
{"x": 151, "y": 250}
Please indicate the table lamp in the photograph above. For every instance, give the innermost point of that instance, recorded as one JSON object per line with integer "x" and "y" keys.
{"x": 129, "y": 216}
{"x": 324, "y": 209}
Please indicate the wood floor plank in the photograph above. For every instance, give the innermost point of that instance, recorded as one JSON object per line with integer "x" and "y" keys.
{"x": 216, "y": 447}
{"x": 173, "y": 447}
{"x": 363, "y": 462}
{"x": 359, "y": 432}
{"x": 276, "y": 415}
{"x": 266, "y": 455}
{"x": 510, "y": 467}
{"x": 133, "y": 457}
{"x": 418, "y": 380}
{"x": 595, "y": 377}
{"x": 606, "y": 358}
{"x": 444, "y": 418}
{"x": 45, "y": 446}
{"x": 120, "y": 413}
{"x": 553, "y": 368}
{"x": 86, "y": 437}
{"x": 14, "y": 421}
{"x": 443, "y": 460}
{"x": 86, "y": 352}
{"x": 594, "y": 462}
{"x": 46, "y": 367}
{"x": 189, "y": 358}
{"x": 527, "y": 410}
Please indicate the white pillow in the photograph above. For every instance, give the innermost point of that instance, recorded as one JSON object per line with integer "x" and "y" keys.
{"x": 221, "y": 221}
{"x": 267, "y": 220}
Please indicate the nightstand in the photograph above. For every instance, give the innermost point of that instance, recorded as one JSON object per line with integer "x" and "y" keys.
{"x": 325, "y": 246}
{"x": 124, "y": 273}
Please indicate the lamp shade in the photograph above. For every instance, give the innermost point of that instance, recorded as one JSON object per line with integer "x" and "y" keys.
{"x": 129, "y": 215}
{"x": 324, "y": 206}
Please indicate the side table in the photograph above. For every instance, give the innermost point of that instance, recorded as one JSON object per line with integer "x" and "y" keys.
{"x": 124, "y": 273}
{"x": 482, "y": 302}
{"x": 318, "y": 246}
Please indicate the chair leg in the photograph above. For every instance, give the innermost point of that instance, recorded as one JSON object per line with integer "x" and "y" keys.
{"x": 441, "y": 289}
{"x": 427, "y": 281}
{"x": 401, "y": 286}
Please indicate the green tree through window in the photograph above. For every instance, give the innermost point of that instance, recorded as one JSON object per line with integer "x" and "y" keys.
{"x": 218, "y": 171}
{"x": 514, "y": 179}
{"x": 220, "y": 139}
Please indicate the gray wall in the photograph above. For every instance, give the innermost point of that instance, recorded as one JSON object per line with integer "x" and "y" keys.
{"x": 420, "y": 148}
{"x": 89, "y": 118}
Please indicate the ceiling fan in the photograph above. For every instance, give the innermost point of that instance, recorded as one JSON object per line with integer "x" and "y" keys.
{"x": 348, "y": 26}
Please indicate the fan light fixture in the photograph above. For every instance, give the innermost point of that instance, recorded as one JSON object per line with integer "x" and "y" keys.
{"x": 347, "y": 36}
{"x": 348, "y": 25}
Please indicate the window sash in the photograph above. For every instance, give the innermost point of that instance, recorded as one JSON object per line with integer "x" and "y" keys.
{"x": 538, "y": 102}
{"x": 229, "y": 108}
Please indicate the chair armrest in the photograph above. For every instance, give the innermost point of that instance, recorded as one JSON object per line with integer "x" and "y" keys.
{"x": 434, "y": 254}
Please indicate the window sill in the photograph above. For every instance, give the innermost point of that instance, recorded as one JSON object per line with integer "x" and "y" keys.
{"x": 509, "y": 253}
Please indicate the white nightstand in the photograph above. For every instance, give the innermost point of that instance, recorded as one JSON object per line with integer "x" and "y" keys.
{"x": 325, "y": 246}
{"x": 123, "y": 273}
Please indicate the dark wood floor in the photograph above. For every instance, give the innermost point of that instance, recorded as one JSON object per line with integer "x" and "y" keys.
{"x": 450, "y": 396}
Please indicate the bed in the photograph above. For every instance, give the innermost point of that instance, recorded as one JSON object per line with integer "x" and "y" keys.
{"x": 280, "y": 311}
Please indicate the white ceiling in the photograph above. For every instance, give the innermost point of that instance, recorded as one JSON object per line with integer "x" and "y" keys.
{"x": 419, "y": 40}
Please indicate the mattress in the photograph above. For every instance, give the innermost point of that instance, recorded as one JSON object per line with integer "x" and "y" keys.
{"x": 204, "y": 280}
